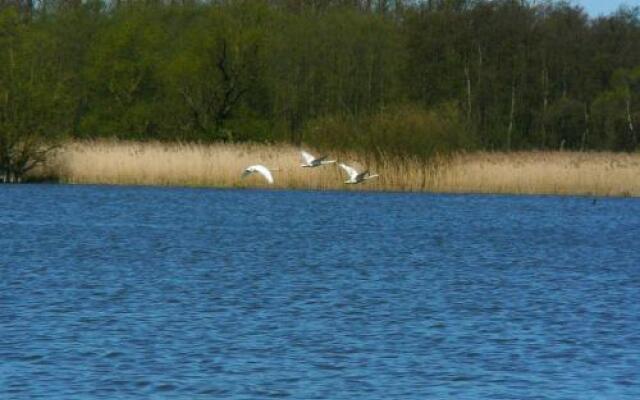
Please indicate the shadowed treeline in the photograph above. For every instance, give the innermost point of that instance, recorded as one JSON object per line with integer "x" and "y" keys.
{"x": 378, "y": 77}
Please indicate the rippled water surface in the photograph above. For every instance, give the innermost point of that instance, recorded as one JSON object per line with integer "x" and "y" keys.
{"x": 136, "y": 293}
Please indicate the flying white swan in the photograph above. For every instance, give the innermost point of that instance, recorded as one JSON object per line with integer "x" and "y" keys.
{"x": 355, "y": 176}
{"x": 261, "y": 169}
{"x": 311, "y": 162}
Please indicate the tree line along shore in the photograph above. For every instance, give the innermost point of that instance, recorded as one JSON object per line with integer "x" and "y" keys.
{"x": 381, "y": 78}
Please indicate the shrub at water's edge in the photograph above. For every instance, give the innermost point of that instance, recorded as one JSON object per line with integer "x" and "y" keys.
{"x": 398, "y": 132}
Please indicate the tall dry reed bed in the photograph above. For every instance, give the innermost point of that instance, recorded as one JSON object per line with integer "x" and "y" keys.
{"x": 220, "y": 165}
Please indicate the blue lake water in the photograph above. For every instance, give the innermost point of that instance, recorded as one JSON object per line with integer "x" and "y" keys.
{"x": 154, "y": 293}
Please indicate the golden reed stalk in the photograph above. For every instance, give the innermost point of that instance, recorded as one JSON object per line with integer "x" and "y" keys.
{"x": 220, "y": 165}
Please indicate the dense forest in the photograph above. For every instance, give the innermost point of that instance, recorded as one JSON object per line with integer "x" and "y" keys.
{"x": 391, "y": 76}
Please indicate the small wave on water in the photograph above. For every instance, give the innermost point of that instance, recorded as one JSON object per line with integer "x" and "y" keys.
{"x": 196, "y": 294}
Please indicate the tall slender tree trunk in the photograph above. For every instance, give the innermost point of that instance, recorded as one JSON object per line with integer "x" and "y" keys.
{"x": 309, "y": 77}
{"x": 480, "y": 105}
{"x": 12, "y": 63}
{"x": 384, "y": 6}
{"x": 511, "y": 114}
{"x": 381, "y": 87}
{"x": 545, "y": 104}
{"x": 468, "y": 79}
{"x": 585, "y": 133}
{"x": 370, "y": 84}
{"x": 29, "y": 10}
{"x": 630, "y": 121}
{"x": 564, "y": 82}
{"x": 399, "y": 8}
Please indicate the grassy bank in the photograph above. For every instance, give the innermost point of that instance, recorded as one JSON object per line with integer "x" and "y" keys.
{"x": 220, "y": 165}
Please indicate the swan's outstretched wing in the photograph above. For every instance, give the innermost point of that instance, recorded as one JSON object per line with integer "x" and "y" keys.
{"x": 362, "y": 175}
{"x": 306, "y": 157}
{"x": 264, "y": 171}
{"x": 261, "y": 169}
{"x": 349, "y": 170}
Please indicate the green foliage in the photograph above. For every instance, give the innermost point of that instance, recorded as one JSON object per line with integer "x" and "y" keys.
{"x": 401, "y": 130}
{"x": 34, "y": 96}
{"x": 217, "y": 63}
{"x": 566, "y": 123}
{"x": 415, "y": 78}
{"x": 339, "y": 62}
{"x": 119, "y": 74}
{"x": 616, "y": 111}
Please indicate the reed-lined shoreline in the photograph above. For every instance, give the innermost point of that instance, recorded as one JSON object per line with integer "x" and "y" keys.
{"x": 220, "y": 165}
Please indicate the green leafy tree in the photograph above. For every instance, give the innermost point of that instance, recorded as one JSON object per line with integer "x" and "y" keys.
{"x": 119, "y": 76}
{"x": 34, "y": 97}
{"x": 617, "y": 111}
{"x": 215, "y": 69}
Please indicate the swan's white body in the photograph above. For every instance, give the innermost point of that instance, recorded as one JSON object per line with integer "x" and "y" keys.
{"x": 355, "y": 176}
{"x": 261, "y": 169}
{"x": 310, "y": 161}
